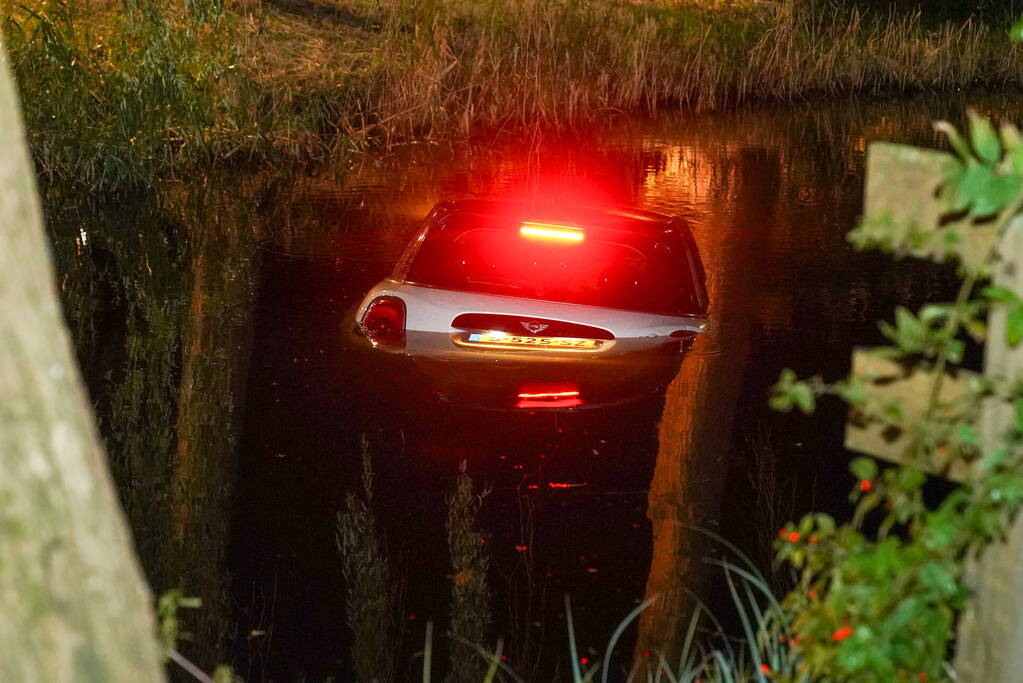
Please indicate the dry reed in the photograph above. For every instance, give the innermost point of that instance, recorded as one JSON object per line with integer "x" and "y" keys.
{"x": 436, "y": 66}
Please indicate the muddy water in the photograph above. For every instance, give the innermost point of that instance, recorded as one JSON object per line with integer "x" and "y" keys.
{"x": 211, "y": 324}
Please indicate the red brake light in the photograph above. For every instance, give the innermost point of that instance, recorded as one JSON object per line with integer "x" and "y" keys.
{"x": 383, "y": 323}
{"x": 548, "y": 231}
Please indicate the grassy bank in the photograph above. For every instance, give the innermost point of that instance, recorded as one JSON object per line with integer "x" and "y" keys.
{"x": 438, "y": 65}
{"x": 151, "y": 84}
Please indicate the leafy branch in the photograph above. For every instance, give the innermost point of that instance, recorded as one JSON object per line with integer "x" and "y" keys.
{"x": 877, "y": 597}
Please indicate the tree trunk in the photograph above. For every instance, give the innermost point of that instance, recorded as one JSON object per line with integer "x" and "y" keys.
{"x": 73, "y": 602}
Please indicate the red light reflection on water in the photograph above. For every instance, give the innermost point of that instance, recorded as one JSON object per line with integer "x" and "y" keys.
{"x": 549, "y": 396}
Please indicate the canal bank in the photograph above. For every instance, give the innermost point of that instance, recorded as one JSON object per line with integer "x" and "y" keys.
{"x": 122, "y": 99}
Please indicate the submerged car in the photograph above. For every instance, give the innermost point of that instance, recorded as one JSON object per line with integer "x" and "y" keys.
{"x": 577, "y": 291}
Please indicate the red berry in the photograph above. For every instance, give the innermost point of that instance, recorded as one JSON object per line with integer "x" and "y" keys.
{"x": 841, "y": 634}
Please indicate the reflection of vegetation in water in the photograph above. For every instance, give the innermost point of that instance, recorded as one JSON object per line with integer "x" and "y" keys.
{"x": 470, "y": 595}
{"x": 159, "y": 301}
{"x": 372, "y": 596}
{"x": 370, "y": 593}
{"x": 215, "y": 340}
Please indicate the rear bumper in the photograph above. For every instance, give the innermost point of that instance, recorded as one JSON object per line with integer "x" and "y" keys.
{"x": 436, "y": 366}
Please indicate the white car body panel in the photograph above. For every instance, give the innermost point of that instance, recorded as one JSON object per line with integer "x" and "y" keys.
{"x": 430, "y": 311}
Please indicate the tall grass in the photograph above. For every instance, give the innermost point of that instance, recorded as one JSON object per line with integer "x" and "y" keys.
{"x": 439, "y": 65}
{"x": 116, "y": 98}
{"x": 764, "y": 651}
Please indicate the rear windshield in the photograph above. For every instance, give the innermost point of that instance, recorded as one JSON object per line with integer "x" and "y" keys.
{"x": 607, "y": 268}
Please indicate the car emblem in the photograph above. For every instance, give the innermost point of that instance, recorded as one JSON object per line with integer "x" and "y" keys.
{"x": 534, "y": 326}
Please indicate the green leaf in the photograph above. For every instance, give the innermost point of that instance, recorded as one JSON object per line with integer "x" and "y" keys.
{"x": 939, "y": 534}
{"x": 892, "y": 411}
{"x": 1011, "y": 138}
{"x": 996, "y": 195}
{"x": 977, "y": 329}
{"x": 852, "y": 392}
{"x": 955, "y": 349}
{"x": 909, "y": 479}
{"x": 1014, "y": 325}
{"x": 802, "y": 396}
{"x": 954, "y": 200}
{"x": 968, "y": 435}
{"x": 781, "y": 395}
{"x": 984, "y": 139}
{"x": 223, "y": 674}
{"x": 780, "y": 402}
{"x": 954, "y": 139}
{"x": 931, "y": 313}
{"x": 972, "y": 183}
{"x": 789, "y": 392}
{"x": 937, "y": 577}
{"x": 1016, "y": 32}
{"x": 863, "y": 468}
{"x": 1002, "y": 295}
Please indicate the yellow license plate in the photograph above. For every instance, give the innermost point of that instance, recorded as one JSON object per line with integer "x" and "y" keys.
{"x": 534, "y": 342}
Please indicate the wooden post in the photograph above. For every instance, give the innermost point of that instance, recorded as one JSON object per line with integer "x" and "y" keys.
{"x": 909, "y": 388}
{"x": 73, "y": 603}
{"x": 901, "y": 184}
{"x": 989, "y": 648}
{"x": 900, "y": 207}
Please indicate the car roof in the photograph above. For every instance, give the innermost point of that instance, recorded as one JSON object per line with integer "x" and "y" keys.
{"x": 614, "y": 218}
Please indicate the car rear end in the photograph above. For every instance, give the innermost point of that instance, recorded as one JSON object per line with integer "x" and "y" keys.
{"x": 542, "y": 294}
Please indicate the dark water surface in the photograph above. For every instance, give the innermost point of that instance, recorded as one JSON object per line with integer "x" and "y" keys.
{"x": 210, "y": 325}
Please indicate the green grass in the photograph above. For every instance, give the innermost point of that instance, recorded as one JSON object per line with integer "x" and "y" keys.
{"x": 762, "y": 653}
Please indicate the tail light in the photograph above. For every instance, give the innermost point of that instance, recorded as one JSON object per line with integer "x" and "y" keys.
{"x": 547, "y": 231}
{"x": 384, "y": 322}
